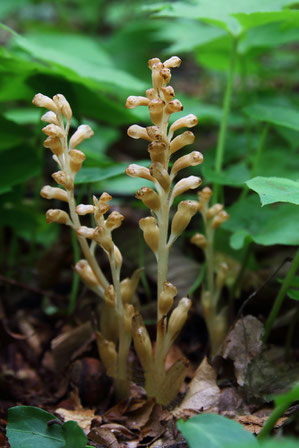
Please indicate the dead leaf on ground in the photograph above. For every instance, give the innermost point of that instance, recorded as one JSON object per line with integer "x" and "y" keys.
{"x": 243, "y": 344}
{"x": 104, "y": 437}
{"x": 254, "y": 424}
{"x": 79, "y": 414}
{"x": 138, "y": 418}
{"x": 203, "y": 393}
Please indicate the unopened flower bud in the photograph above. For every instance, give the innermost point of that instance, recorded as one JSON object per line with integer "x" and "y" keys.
{"x": 221, "y": 275}
{"x": 199, "y": 240}
{"x": 137, "y": 132}
{"x": 105, "y": 197}
{"x": 53, "y": 131}
{"x": 110, "y": 296}
{"x": 108, "y": 354}
{"x": 63, "y": 179}
{"x": 178, "y": 318}
{"x": 149, "y": 197}
{"x": 214, "y": 210}
{"x": 150, "y": 232}
{"x": 129, "y": 312}
{"x": 185, "y": 122}
{"x": 48, "y": 192}
{"x": 59, "y": 216}
{"x": 41, "y": 100}
{"x": 165, "y": 76}
{"x": 83, "y": 132}
{"x": 157, "y": 151}
{"x": 63, "y": 105}
{"x": 134, "y": 170}
{"x": 204, "y": 197}
{"x": 128, "y": 286}
{"x": 172, "y": 62}
{"x": 186, "y": 138}
{"x": 76, "y": 159}
{"x": 152, "y": 62}
{"x": 220, "y": 219}
{"x": 181, "y": 219}
{"x": 168, "y": 93}
{"x": 154, "y": 132}
{"x": 54, "y": 144}
{"x": 142, "y": 342}
{"x": 161, "y": 175}
{"x": 83, "y": 209}
{"x": 135, "y": 101}
{"x": 114, "y": 221}
{"x": 156, "y": 110}
{"x": 50, "y": 117}
{"x": 84, "y": 270}
{"x": 193, "y": 159}
{"x": 157, "y": 79}
{"x": 151, "y": 94}
{"x": 86, "y": 232}
{"x": 103, "y": 238}
{"x": 188, "y": 183}
{"x": 174, "y": 106}
{"x": 99, "y": 210}
{"x": 166, "y": 298}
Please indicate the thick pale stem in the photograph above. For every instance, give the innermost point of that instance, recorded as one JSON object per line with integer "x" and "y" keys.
{"x": 163, "y": 250}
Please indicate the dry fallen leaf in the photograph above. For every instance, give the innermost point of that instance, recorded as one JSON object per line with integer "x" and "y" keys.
{"x": 254, "y": 424}
{"x": 203, "y": 393}
{"x": 80, "y": 415}
{"x": 243, "y": 344}
{"x": 104, "y": 437}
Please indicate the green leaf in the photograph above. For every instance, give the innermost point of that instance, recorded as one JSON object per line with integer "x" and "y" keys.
{"x": 9, "y": 7}
{"x": 28, "y": 427}
{"x": 278, "y": 162}
{"x": 11, "y": 134}
{"x": 247, "y": 21}
{"x": 293, "y": 294}
{"x": 275, "y": 189}
{"x": 278, "y": 115}
{"x": 214, "y": 431}
{"x": 275, "y": 224}
{"x": 234, "y": 176}
{"x": 89, "y": 175}
{"x": 289, "y": 397}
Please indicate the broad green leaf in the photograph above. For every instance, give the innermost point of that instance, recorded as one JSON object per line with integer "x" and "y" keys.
{"x": 233, "y": 176}
{"x": 7, "y": 8}
{"x": 16, "y": 166}
{"x": 28, "y": 427}
{"x": 11, "y": 134}
{"x": 214, "y": 431}
{"x": 278, "y": 115}
{"x": 93, "y": 174}
{"x": 275, "y": 224}
{"x": 278, "y": 162}
{"x": 293, "y": 294}
{"x": 258, "y": 18}
{"x": 289, "y": 397}
{"x": 275, "y": 189}
{"x": 24, "y": 115}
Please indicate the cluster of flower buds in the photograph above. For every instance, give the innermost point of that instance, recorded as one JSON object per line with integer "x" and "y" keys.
{"x": 68, "y": 158}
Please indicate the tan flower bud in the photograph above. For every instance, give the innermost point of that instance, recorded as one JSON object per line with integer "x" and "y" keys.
{"x": 149, "y": 197}
{"x": 165, "y": 76}
{"x": 48, "y": 192}
{"x": 193, "y": 159}
{"x": 174, "y": 106}
{"x": 199, "y": 240}
{"x": 157, "y": 152}
{"x": 204, "y": 197}
{"x": 150, "y": 232}
{"x": 135, "y": 101}
{"x": 172, "y": 62}
{"x": 214, "y": 210}
{"x": 221, "y": 275}
{"x": 59, "y": 216}
{"x": 142, "y": 342}
{"x": 168, "y": 93}
{"x": 53, "y": 131}
{"x": 134, "y": 170}
{"x": 151, "y": 94}
{"x": 99, "y": 210}
{"x": 103, "y": 238}
{"x": 178, "y": 318}
{"x": 83, "y": 209}
{"x": 157, "y": 79}
{"x": 156, "y": 107}
{"x": 86, "y": 232}
{"x": 152, "y": 62}
{"x": 154, "y": 132}
{"x": 128, "y": 286}
{"x": 105, "y": 197}
{"x": 220, "y": 219}
{"x": 110, "y": 296}
{"x": 63, "y": 105}
{"x": 186, "y": 138}
{"x": 41, "y": 100}
{"x": 188, "y": 183}
{"x": 137, "y": 132}
{"x": 50, "y": 117}
{"x": 107, "y": 354}
{"x": 181, "y": 219}
{"x": 166, "y": 297}
{"x": 86, "y": 273}
{"x": 185, "y": 122}
{"x": 54, "y": 144}
{"x": 114, "y": 221}
{"x": 83, "y": 132}
{"x": 129, "y": 312}
{"x": 161, "y": 175}
{"x": 63, "y": 179}
{"x": 207, "y": 303}
{"x": 117, "y": 256}
{"x": 76, "y": 159}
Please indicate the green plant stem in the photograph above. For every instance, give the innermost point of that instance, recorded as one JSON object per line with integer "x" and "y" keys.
{"x": 225, "y": 114}
{"x": 281, "y": 295}
{"x": 76, "y": 279}
{"x": 270, "y": 423}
